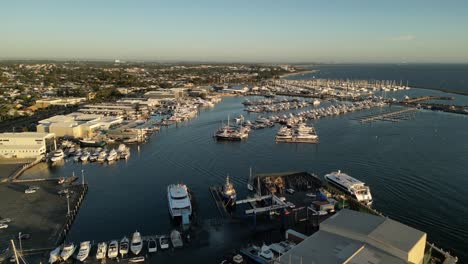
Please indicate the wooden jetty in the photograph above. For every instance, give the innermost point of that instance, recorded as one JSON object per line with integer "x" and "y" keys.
{"x": 392, "y": 116}
{"x": 215, "y": 192}
{"x": 426, "y": 98}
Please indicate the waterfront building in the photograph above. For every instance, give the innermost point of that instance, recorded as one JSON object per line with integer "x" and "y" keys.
{"x": 167, "y": 93}
{"x": 77, "y": 124}
{"x": 142, "y": 102}
{"x": 355, "y": 237}
{"x": 26, "y": 145}
{"x": 45, "y": 102}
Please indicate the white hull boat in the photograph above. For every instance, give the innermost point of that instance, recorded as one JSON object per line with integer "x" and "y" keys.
{"x": 124, "y": 246}
{"x": 101, "y": 251}
{"x": 67, "y": 251}
{"x": 83, "y": 253}
{"x": 137, "y": 244}
{"x": 113, "y": 250}
{"x": 54, "y": 255}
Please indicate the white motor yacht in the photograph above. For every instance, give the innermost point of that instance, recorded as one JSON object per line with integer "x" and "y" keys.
{"x": 179, "y": 200}
{"x": 136, "y": 244}
{"x": 102, "y": 156}
{"x": 54, "y": 255}
{"x": 354, "y": 187}
{"x": 57, "y": 156}
{"x": 124, "y": 246}
{"x": 101, "y": 250}
{"x": 83, "y": 253}
{"x": 112, "y": 155}
{"x": 67, "y": 251}
{"x": 85, "y": 156}
{"x": 113, "y": 250}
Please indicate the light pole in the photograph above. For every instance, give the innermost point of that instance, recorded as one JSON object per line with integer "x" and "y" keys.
{"x": 68, "y": 204}
{"x": 19, "y": 239}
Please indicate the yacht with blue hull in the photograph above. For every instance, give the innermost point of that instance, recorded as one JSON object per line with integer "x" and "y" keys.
{"x": 229, "y": 193}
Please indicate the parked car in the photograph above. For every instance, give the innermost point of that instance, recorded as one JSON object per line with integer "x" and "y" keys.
{"x": 290, "y": 190}
{"x": 3, "y": 226}
{"x": 31, "y": 189}
{"x": 65, "y": 191}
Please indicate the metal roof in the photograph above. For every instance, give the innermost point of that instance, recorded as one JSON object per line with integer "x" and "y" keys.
{"x": 325, "y": 247}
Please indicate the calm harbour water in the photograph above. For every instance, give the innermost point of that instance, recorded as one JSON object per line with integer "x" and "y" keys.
{"x": 453, "y": 77}
{"x": 416, "y": 170}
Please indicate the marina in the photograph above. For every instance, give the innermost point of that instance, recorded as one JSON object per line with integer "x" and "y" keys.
{"x": 159, "y": 146}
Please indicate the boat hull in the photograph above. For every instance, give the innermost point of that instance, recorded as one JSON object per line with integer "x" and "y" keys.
{"x": 92, "y": 144}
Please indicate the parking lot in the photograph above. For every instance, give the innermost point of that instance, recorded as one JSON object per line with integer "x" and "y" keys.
{"x": 40, "y": 214}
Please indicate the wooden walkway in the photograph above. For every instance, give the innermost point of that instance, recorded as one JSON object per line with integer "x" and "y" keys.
{"x": 391, "y": 116}
{"x": 219, "y": 202}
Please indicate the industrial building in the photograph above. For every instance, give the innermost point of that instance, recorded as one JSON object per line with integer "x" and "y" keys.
{"x": 26, "y": 145}
{"x": 355, "y": 237}
{"x": 167, "y": 93}
{"x": 77, "y": 125}
{"x": 45, "y": 102}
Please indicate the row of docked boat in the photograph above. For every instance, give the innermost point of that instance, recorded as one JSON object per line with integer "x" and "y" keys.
{"x": 183, "y": 113}
{"x": 292, "y": 119}
{"x": 114, "y": 248}
{"x": 339, "y": 88}
{"x": 300, "y": 133}
{"x": 92, "y": 155}
{"x": 261, "y": 108}
{"x": 101, "y": 155}
{"x": 233, "y": 133}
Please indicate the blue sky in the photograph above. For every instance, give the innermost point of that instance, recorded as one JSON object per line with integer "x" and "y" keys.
{"x": 237, "y": 30}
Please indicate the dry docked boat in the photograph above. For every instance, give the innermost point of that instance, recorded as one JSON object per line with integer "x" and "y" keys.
{"x": 351, "y": 186}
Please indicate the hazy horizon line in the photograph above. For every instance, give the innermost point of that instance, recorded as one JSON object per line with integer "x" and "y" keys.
{"x": 189, "y": 61}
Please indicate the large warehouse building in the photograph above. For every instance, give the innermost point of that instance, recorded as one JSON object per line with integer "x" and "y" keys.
{"x": 26, "y": 145}
{"x": 355, "y": 237}
{"x": 76, "y": 125}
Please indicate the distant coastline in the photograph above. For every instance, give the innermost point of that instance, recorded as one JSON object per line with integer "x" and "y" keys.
{"x": 299, "y": 72}
{"x": 445, "y": 90}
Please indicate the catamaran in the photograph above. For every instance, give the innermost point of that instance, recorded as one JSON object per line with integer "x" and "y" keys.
{"x": 179, "y": 200}
{"x": 351, "y": 186}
